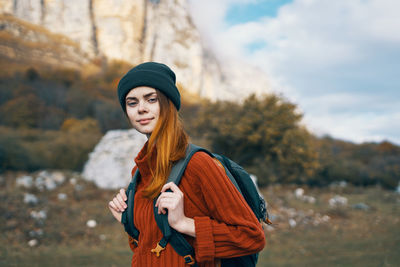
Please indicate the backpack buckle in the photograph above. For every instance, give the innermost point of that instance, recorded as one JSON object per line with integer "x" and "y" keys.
{"x": 133, "y": 241}
{"x": 189, "y": 259}
{"x": 157, "y": 250}
{"x": 268, "y": 221}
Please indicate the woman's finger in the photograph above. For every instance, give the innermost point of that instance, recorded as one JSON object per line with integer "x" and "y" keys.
{"x": 170, "y": 185}
{"x": 112, "y": 206}
{"x": 121, "y": 200}
{"x": 173, "y": 187}
{"x": 165, "y": 195}
{"x": 166, "y": 204}
{"x": 117, "y": 215}
{"x": 118, "y": 204}
{"x": 123, "y": 194}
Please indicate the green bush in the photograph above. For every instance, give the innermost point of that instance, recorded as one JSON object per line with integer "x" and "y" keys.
{"x": 365, "y": 164}
{"x": 33, "y": 149}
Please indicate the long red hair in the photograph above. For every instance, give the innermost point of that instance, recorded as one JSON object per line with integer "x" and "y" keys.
{"x": 169, "y": 140}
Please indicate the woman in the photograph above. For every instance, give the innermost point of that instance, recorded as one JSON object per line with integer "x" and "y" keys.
{"x": 205, "y": 207}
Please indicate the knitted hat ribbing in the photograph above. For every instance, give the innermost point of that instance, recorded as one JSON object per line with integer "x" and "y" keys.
{"x": 152, "y": 74}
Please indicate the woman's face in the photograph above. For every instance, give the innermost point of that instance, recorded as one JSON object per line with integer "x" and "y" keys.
{"x": 143, "y": 109}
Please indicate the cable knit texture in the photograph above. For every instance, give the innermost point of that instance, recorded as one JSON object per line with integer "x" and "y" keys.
{"x": 225, "y": 226}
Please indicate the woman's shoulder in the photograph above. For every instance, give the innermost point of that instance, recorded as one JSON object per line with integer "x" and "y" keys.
{"x": 200, "y": 160}
{"x": 202, "y": 164}
{"x": 198, "y": 173}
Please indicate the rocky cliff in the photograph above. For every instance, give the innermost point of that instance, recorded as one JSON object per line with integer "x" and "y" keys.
{"x": 141, "y": 30}
{"x": 22, "y": 42}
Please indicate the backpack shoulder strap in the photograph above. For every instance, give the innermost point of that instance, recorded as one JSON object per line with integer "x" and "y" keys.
{"x": 177, "y": 241}
{"x": 175, "y": 176}
{"x": 127, "y": 215}
{"x": 228, "y": 170}
{"x": 179, "y": 167}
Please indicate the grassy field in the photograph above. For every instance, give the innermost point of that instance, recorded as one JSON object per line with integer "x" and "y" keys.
{"x": 350, "y": 238}
{"x": 323, "y": 235}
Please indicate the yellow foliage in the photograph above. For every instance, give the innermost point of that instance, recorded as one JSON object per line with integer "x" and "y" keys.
{"x": 68, "y": 124}
{"x": 74, "y": 125}
{"x": 189, "y": 98}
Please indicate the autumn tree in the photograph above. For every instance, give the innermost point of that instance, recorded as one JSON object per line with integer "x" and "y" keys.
{"x": 262, "y": 134}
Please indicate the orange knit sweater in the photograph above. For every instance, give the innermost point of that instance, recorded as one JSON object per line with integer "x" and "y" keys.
{"x": 225, "y": 226}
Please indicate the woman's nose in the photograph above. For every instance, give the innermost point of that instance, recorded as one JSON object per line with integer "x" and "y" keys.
{"x": 142, "y": 107}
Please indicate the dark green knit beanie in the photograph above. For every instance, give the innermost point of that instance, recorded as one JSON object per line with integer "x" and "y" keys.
{"x": 152, "y": 74}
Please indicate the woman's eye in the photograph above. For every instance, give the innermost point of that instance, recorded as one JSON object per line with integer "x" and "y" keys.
{"x": 153, "y": 99}
{"x": 131, "y": 104}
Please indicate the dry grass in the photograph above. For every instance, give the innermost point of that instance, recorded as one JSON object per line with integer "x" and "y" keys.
{"x": 26, "y": 27}
{"x": 23, "y": 43}
{"x": 350, "y": 238}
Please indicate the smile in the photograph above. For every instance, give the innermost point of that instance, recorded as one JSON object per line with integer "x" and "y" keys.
{"x": 144, "y": 121}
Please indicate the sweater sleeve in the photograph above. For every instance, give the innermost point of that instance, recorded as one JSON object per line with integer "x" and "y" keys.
{"x": 230, "y": 228}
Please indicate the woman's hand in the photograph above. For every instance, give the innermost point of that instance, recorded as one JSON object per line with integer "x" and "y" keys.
{"x": 118, "y": 205}
{"x": 173, "y": 202}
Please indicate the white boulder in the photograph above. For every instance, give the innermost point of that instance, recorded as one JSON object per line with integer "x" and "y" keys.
{"x": 30, "y": 199}
{"x": 91, "y": 223}
{"x": 338, "y": 201}
{"x": 33, "y": 243}
{"x": 24, "y": 181}
{"x": 111, "y": 162}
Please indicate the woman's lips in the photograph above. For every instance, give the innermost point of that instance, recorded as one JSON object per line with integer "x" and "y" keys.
{"x": 144, "y": 121}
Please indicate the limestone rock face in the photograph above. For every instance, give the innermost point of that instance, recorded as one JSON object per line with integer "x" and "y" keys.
{"x": 143, "y": 30}
{"x": 118, "y": 29}
{"x": 25, "y": 42}
{"x": 71, "y": 18}
{"x": 112, "y": 160}
{"x": 6, "y": 6}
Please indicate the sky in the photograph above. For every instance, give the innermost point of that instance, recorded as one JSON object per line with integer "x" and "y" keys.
{"x": 338, "y": 60}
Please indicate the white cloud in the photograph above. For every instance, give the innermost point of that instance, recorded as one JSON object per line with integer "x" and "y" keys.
{"x": 338, "y": 60}
{"x": 209, "y": 15}
{"x": 368, "y": 127}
